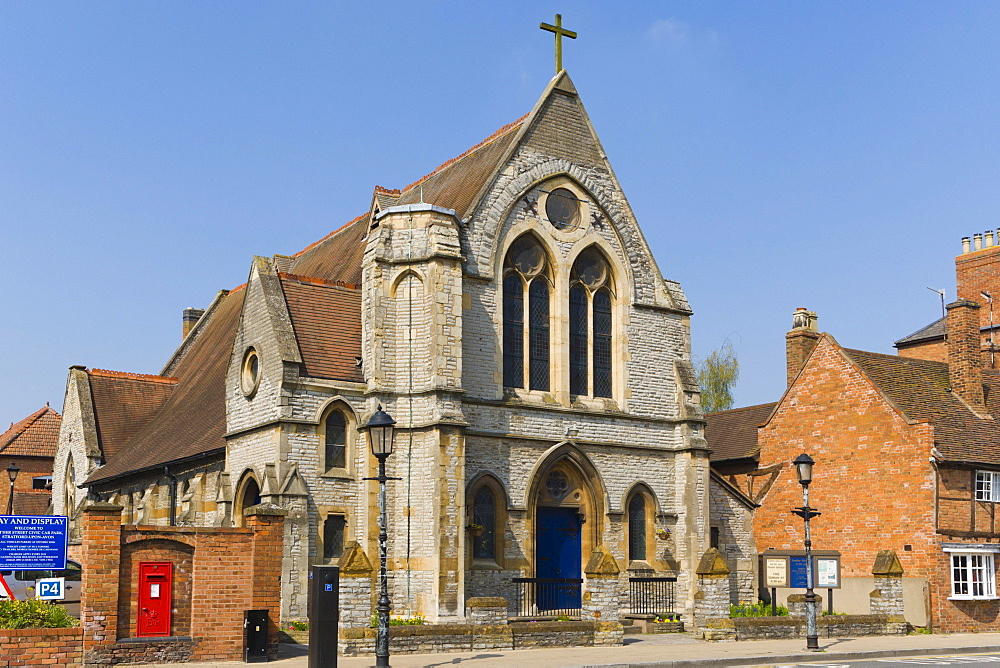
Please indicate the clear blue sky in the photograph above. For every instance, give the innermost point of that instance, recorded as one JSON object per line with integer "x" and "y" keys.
{"x": 777, "y": 154}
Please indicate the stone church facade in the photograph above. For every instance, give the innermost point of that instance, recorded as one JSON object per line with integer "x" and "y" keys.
{"x": 508, "y": 313}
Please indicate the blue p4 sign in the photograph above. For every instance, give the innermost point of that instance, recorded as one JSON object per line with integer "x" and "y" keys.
{"x": 51, "y": 589}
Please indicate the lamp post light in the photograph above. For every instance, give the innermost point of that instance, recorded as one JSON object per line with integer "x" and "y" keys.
{"x": 380, "y": 434}
{"x": 803, "y": 466}
{"x": 12, "y": 472}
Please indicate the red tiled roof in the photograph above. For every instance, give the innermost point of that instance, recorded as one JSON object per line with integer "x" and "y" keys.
{"x": 35, "y": 436}
{"x": 326, "y": 318}
{"x": 453, "y": 185}
{"x": 193, "y": 419}
{"x": 124, "y": 403}
{"x": 921, "y": 389}
{"x": 32, "y": 501}
{"x": 733, "y": 434}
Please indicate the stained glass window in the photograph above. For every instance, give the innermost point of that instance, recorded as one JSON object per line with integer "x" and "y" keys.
{"x": 333, "y": 536}
{"x": 578, "y": 340}
{"x": 513, "y": 331}
{"x": 538, "y": 328}
{"x": 336, "y": 441}
{"x": 637, "y": 528}
{"x": 484, "y": 513}
{"x": 602, "y": 343}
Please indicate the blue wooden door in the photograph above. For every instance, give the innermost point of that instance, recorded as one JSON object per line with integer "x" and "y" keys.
{"x": 557, "y": 555}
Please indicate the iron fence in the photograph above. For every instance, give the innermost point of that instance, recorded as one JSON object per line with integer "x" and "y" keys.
{"x": 548, "y": 597}
{"x": 651, "y": 596}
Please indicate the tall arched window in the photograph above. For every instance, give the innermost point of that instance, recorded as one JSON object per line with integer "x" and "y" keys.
{"x": 590, "y": 325}
{"x": 335, "y": 441}
{"x": 484, "y": 514}
{"x": 637, "y": 528}
{"x": 526, "y": 281}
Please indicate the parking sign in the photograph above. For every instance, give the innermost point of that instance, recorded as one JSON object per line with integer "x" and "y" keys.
{"x": 51, "y": 589}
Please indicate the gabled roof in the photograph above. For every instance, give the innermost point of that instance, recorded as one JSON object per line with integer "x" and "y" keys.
{"x": 921, "y": 389}
{"x": 193, "y": 418}
{"x": 35, "y": 436}
{"x": 931, "y": 332}
{"x": 732, "y": 434}
{"x": 326, "y": 318}
{"x": 32, "y": 501}
{"x": 124, "y": 403}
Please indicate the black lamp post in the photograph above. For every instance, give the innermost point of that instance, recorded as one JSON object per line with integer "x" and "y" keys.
{"x": 12, "y": 472}
{"x": 803, "y": 465}
{"x": 380, "y": 433}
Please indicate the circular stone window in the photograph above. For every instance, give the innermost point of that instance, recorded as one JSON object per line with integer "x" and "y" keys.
{"x": 562, "y": 209}
{"x": 250, "y": 375}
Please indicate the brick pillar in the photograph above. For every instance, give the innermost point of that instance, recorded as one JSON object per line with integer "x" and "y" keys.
{"x": 711, "y": 602}
{"x": 965, "y": 359}
{"x": 602, "y": 598}
{"x": 268, "y": 524}
{"x": 887, "y": 597}
{"x": 357, "y": 587}
{"x": 100, "y": 555}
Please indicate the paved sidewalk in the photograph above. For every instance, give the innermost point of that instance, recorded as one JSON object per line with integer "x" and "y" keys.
{"x": 668, "y": 651}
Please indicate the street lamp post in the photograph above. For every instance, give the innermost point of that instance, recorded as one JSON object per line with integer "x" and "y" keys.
{"x": 380, "y": 434}
{"x": 12, "y": 472}
{"x": 803, "y": 465}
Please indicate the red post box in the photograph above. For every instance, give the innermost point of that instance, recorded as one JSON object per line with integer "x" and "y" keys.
{"x": 155, "y": 599}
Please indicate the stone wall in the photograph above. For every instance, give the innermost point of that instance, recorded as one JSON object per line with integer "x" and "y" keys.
{"x": 734, "y": 519}
{"x": 832, "y": 626}
{"x": 41, "y": 647}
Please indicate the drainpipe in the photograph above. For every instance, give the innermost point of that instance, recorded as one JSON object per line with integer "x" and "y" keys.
{"x": 173, "y": 495}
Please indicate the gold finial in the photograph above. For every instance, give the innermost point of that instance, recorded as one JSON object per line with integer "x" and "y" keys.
{"x": 559, "y": 32}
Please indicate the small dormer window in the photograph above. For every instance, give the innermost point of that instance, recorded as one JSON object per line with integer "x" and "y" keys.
{"x": 562, "y": 208}
{"x": 250, "y": 375}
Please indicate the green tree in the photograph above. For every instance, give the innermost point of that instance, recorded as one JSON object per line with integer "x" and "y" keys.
{"x": 717, "y": 375}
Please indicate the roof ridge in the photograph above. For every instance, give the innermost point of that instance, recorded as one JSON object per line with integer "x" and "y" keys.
{"x": 339, "y": 229}
{"x": 900, "y": 358}
{"x": 313, "y": 280}
{"x": 107, "y": 373}
{"x": 448, "y": 163}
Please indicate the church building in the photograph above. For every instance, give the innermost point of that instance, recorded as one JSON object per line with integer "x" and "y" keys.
{"x": 508, "y": 313}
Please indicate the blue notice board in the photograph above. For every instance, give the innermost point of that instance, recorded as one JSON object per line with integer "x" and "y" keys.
{"x": 797, "y": 574}
{"x": 33, "y": 542}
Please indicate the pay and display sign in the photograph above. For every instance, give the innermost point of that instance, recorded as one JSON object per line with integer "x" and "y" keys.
{"x": 33, "y": 542}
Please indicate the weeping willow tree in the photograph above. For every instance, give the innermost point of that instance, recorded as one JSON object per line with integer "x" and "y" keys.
{"x": 717, "y": 375}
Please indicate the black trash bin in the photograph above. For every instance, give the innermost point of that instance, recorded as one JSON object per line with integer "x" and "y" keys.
{"x": 255, "y": 636}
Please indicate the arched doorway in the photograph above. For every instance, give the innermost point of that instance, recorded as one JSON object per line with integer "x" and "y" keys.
{"x": 567, "y": 506}
{"x": 248, "y": 495}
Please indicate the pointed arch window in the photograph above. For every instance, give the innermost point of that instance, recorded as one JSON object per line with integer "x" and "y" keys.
{"x": 590, "y": 325}
{"x": 484, "y": 514}
{"x": 637, "y": 528}
{"x": 526, "y": 282}
{"x": 336, "y": 438}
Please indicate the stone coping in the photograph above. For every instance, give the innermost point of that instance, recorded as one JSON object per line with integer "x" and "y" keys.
{"x": 481, "y": 629}
{"x": 154, "y": 639}
{"x": 486, "y": 602}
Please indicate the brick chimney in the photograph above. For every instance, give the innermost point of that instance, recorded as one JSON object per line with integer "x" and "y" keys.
{"x": 800, "y": 341}
{"x": 190, "y": 319}
{"x": 965, "y": 360}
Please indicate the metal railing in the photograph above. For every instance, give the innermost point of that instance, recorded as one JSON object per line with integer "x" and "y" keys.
{"x": 548, "y": 597}
{"x": 651, "y": 596}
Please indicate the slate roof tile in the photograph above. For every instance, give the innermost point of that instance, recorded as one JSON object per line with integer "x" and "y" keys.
{"x": 124, "y": 403}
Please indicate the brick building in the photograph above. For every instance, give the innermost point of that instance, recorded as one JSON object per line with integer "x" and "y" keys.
{"x": 507, "y": 312}
{"x": 906, "y": 453}
{"x": 31, "y": 445}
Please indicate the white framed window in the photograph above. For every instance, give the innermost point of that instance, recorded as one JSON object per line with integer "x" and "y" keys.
{"x": 987, "y": 486}
{"x": 972, "y": 575}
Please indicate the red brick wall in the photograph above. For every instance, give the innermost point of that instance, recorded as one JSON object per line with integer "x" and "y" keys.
{"x": 30, "y": 468}
{"x": 218, "y": 574}
{"x": 872, "y": 480}
{"x": 933, "y": 351}
{"x": 978, "y": 271}
{"x": 154, "y": 549}
{"x": 41, "y": 647}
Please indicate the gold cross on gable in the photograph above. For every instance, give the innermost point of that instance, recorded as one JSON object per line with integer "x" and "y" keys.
{"x": 559, "y": 32}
